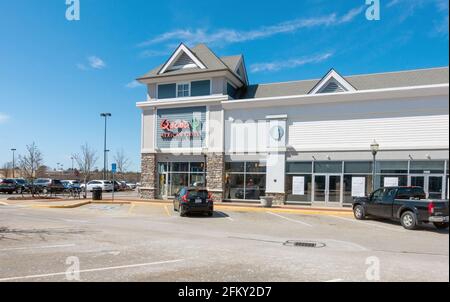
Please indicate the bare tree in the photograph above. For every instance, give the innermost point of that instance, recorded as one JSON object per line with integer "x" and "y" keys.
{"x": 86, "y": 160}
{"x": 5, "y": 170}
{"x": 122, "y": 161}
{"x": 30, "y": 162}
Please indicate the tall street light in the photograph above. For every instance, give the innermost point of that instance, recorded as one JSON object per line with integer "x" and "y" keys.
{"x": 105, "y": 115}
{"x": 374, "y": 147}
{"x": 14, "y": 162}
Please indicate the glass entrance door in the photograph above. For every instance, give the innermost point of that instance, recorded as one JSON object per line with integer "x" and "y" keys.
{"x": 328, "y": 189}
{"x": 433, "y": 185}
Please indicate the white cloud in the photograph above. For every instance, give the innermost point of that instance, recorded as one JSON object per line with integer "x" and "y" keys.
{"x": 229, "y": 36}
{"x": 293, "y": 63}
{"x": 4, "y": 118}
{"x": 133, "y": 84}
{"x": 96, "y": 63}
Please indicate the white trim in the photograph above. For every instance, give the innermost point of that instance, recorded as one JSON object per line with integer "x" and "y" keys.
{"x": 175, "y": 56}
{"x": 333, "y": 75}
{"x": 360, "y": 95}
{"x": 183, "y": 102}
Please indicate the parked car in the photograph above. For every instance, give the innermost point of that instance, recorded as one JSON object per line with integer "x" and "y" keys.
{"x": 131, "y": 186}
{"x": 193, "y": 200}
{"x": 21, "y": 185}
{"x": 105, "y": 185}
{"x": 71, "y": 184}
{"x": 405, "y": 204}
{"x": 8, "y": 186}
{"x": 47, "y": 185}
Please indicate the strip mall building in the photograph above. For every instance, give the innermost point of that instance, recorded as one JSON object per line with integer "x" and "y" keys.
{"x": 306, "y": 142}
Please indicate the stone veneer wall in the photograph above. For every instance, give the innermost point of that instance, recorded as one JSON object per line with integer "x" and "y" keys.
{"x": 278, "y": 198}
{"x": 148, "y": 178}
{"x": 215, "y": 175}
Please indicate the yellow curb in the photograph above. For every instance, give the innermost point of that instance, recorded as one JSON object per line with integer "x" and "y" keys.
{"x": 4, "y": 203}
{"x": 286, "y": 211}
{"x": 68, "y": 206}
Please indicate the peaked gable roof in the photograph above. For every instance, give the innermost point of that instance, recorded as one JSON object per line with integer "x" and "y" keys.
{"x": 204, "y": 56}
{"x": 409, "y": 78}
{"x": 332, "y": 82}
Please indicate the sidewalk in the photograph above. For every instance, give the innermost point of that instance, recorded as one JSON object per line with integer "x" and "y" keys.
{"x": 244, "y": 207}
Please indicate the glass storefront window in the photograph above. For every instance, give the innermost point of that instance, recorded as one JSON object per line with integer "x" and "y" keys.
{"x": 235, "y": 167}
{"x": 306, "y": 196}
{"x": 180, "y": 167}
{"x": 364, "y": 187}
{"x": 427, "y": 167}
{"x": 245, "y": 180}
{"x": 358, "y": 167}
{"x": 328, "y": 167}
{"x": 197, "y": 167}
{"x": 392, "y": 167}
{"x": 299, "y": 167}
{"x": 234, "y": 186}
{"x": 178, "y": 181}
{"x": 255, "y": 167}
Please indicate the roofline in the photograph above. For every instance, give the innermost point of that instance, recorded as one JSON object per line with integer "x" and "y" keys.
{"x": 427, "y": 90}
{"x": 350, "y": 76}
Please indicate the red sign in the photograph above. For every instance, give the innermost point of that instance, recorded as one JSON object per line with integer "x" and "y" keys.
{"x": 171, "y": 129}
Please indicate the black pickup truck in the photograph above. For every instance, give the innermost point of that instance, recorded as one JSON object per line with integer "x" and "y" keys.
{"x": 405, "y": 204}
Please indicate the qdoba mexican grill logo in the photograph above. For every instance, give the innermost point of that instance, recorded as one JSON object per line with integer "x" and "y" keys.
{"x": 181, "y": 129}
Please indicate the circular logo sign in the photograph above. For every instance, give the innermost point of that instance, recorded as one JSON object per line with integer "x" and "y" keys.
{"x": 277, "y": 133}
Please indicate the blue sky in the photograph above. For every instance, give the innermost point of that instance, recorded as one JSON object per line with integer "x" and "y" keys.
{"x": 56, "y": 76}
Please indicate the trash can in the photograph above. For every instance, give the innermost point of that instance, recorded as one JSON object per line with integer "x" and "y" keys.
{"x": 97, "y": 193}
{"x": 266, "y": 202}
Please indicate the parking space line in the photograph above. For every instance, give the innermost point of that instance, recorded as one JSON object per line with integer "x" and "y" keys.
{"x": 133, "y": 205}
{"x": 334, "y": 281}
{"x": 368, "y": 224}
{"x": 167, "y": 211}
{"x": 291, "y": 220}
{"x": 36, "y": 247}
{"x": 91, "y": 270}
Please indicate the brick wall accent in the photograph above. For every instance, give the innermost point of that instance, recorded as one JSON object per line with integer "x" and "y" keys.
{"x": 215, "y": 176}
{"x": 278, "y": 198}
{"x": 148, "y": 179}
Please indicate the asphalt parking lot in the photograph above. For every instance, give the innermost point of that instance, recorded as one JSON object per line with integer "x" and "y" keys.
{"x": 149, "y": 242}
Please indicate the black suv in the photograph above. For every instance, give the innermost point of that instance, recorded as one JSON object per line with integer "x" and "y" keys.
{"x": 8, "y": 186}
{"x": 193, "y": 200}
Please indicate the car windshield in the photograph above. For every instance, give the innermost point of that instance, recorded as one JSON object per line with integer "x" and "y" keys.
{"x": 57, "y": 182}
{"x": 20, "y": 181}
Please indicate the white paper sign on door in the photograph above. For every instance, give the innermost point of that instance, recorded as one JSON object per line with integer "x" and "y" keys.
{"x": 298, "y": 185}
{"x": 391, "y": 181}
{"x": 358, "y": 186}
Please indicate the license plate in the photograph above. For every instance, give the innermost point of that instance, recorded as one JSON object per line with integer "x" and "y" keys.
{"x": 198, "y": 200}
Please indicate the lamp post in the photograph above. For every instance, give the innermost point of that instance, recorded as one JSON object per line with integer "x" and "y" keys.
{"x": 14, "y": 162}
{"x": 374, "y": 147}
{"x": 107, "y": 163}
{"x": 71, "y": 158}
{"x": 105, "y": 115}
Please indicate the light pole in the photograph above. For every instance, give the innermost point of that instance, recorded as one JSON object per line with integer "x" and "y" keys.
{"x": 72, "y": 162}
{"x": 105, "y": 115}
{"x": 107, "y": 163}
{"x": 14, "y": 162}
{"x": 374, "y": 147}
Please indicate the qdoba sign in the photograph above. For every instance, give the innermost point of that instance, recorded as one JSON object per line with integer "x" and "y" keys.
{"x": 181, "y": 127}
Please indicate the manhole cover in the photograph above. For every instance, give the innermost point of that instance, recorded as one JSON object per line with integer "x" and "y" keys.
{"x": 305, "y": 244}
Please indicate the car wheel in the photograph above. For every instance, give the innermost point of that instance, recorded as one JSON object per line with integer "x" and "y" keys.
{"x": 174, "y": 208}
{"x": 359, "y": 212}
{"x": 409, "y": 220}
{"x": 210, "y": 214}
{"x": 441, "y": 225}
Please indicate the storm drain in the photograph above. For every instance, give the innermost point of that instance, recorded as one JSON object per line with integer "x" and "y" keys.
{"x": 305, "y": 244}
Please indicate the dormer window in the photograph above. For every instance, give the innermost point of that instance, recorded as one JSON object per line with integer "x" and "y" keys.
{"x": 183, "y": 90}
